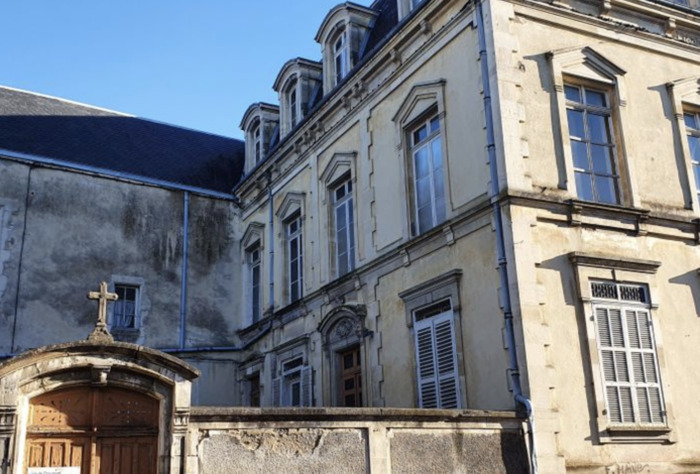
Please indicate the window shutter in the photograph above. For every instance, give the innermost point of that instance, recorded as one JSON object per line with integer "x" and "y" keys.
{"x": 437, "y": 362}
{"x": 306, "y": 387}
{"x": 276, "y": 392}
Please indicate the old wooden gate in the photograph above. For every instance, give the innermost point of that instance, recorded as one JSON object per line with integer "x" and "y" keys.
{"x": 101, "y": 430}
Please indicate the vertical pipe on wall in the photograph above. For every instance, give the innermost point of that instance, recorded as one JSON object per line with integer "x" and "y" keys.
{"x": 500, "y": 239}
{"x": 183, "y": 287}
{"x": 271, "y": 243}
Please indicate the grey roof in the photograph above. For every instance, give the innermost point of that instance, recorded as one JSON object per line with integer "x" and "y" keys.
{"x": 61, "y": 130}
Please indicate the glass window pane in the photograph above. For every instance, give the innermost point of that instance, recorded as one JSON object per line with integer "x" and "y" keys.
{"x": 690, "y": 121}
{"x": 423, "y": 192}
{"x": 584, "y": 187}
{"x": 697, "y": 177}
{"x": 436, "y": 148}
{"x": 434, "y": 124}
{"x": 595, "y": 98}
{"x": 575, "y": 118}
{"x": 439, "y": 209}
{"x": 602, "y": 159}
{"x": 580, "y": 152}
{"x": 694, "y": 147}
{"x": 422, "y": 165}
{"x": 425, "y": 219}
{"x": 607, "y": 189}
{"x": 598, "y": 128}
{"x": 572, "y": 93}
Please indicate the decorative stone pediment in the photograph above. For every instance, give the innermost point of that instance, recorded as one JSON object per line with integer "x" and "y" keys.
{"x": 340, "y": 165}
{"x": 293, "y": 203}
{"x": 253, "y": 235}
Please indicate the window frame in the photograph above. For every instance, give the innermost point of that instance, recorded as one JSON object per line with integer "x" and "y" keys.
{"x": 255, "y": 304}
{"x": 588, "y": 110}
{"x": 619, "y": 269}
{"x": 346, "y": 201}
{"x": 341, "y": 56}
{"x": 294, "y": 238}
{"x": 693, "y": 162}
{"x": 437, "y": 216}
{"x": 586, "y": 67}
{"x": 685, "y": 97}
{"x": 136, "y": 302}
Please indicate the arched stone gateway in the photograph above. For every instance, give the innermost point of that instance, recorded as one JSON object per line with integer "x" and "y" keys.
{"x": 97, "y": 406}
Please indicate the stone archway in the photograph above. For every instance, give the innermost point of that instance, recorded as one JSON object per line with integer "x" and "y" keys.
{"x": 102, "y": 407}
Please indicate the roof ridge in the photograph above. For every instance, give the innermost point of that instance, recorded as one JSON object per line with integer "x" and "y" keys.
{"x": 68, "y": 101}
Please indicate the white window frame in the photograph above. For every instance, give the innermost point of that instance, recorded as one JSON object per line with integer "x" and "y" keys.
{"x": 587, "y": 110}
{"x": 295, "y": 238}
{"x": 685, "y": 97}
{"x": 293, "y": 105}
{"x": 430, "y": 351}
{"x": 347, "y": 205}
{"x": 619, "y": 269}
{"x": 120, "y": 304}
{"x": 257, "y": 142}
{"x": 293, "y": 372}
{"x": 253, "y": 265}
{"x": 341, "y": 57}
{"x": 621, "y": 365}
{"x": 693, "y": 131}
{"x": 428, "y": 144}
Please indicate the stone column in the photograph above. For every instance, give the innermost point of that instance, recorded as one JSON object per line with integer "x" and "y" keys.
{"x": 7, "y": 429}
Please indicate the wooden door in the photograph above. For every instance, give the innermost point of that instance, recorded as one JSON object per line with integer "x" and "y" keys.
{"x": 351, "y": 378}
{"x": 100, "y": 430}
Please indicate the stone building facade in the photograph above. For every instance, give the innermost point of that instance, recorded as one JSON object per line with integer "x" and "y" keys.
{"x": 485, "y": 205}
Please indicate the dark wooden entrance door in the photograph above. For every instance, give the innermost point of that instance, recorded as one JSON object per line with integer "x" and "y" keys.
{"x": 99, "y": 430}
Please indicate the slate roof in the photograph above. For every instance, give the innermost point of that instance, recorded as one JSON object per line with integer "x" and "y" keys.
{"x": 53, "y": 128}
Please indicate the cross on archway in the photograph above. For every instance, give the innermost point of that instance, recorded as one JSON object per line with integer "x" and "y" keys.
{"x": 101, "y": 333}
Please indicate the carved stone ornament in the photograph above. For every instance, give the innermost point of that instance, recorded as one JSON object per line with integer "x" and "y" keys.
{"x": 101, "y": 334}
{"x": 344, "y": 329}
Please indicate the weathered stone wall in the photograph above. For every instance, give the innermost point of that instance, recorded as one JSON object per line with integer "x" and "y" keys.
{"x": 221, "y": 441}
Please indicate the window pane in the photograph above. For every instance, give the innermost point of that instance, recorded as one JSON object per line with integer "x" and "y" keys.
{"x": 602, "y": 159}
{"x": 420, "y": 134}
{"x": 584, "y": 187}
{"x": 690, "y": 121}
{"x": 580, "y": 152}
{"x": 434, "y": 124}
{"x": 575, "y": 118}
{"x": 598, "y": 128}
{"x": 422, "y": 164}
{"x": 694, "y": 146}
{"x": 595, "y": 98}
{"x": 697, "y": 177}
{"x": 436, "y": 148}
{"x": 351, "y": 236}
{"x": 607, "y": 189}
{"x": 423, "y": 192}
{"x": 572, "y": 93}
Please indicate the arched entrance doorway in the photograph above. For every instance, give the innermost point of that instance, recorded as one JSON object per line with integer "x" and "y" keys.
{"x": 100, "y": 430}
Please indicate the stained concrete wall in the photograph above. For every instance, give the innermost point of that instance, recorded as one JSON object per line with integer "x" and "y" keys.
{"x": 353, "y": 441}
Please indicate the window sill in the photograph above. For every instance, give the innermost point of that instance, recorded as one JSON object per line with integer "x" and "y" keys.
{"x": 610, "y": 215}
{"x": 636, "y": 434}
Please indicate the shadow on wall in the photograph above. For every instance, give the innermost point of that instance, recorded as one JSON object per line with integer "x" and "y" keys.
{"x": 128, "y": 145}
{"x": 690, "y": 279}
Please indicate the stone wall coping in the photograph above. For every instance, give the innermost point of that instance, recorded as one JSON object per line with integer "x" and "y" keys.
{"x": 203, "y": 414}
{"x": 86, "y": 348}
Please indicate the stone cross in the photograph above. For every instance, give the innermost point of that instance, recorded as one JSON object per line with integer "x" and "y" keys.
{"x": 101, "y": 333}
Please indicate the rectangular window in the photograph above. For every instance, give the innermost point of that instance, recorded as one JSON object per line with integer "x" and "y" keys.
{"x": 295, "y": 258}
{"x": 592, "y": 144}
{"x": 436, "y": 357}
{"x": 254, "y": 269}
{"x": 628, "y": 358}
{"x": 295, "y": 384}
{"x": 351, "y": 377}
{"x": 344, "y": 228}
{"x": 692, "y": 127}
{"x": 257, "y": 140}
{"x": 125, "y": 308}
{"x": 428, "y": 178}
{"x": 341, "y": 56}
{"x": 253, "y": 390}
{"x": 293, "y": 105}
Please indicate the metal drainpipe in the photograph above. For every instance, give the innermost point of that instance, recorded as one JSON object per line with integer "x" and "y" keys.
{"x": 271, "y": 242}
{"x": 500, "y": 242}
{"x": 183, "y": 288}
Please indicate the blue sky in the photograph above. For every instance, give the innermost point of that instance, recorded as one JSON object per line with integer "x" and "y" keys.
{"x": 194, "y": 63}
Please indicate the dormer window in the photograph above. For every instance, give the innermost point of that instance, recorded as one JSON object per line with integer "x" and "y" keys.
{"x": 341, "y": 36}
{"x": 341, "y": 56}
{"x": 260, "y": 124}
{"x": 295, "y": 84}
{"x": 407, "y": 6}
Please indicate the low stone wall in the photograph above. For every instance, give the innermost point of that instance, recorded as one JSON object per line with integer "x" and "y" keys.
{"x": 337, "y": 440}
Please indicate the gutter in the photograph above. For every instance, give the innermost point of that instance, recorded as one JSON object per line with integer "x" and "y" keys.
{"x": 506, "y": 303}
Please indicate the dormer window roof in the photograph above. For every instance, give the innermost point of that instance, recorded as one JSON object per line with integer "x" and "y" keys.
{"x": 341, "y": 35}
{"x": 295, "y": 85}
{"x": 259, "y": 124}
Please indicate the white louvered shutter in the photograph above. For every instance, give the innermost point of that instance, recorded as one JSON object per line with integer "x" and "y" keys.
{"x": 436, "y": 357}
{"x": 306, "y": 387}
{"x": 629, "y": 365}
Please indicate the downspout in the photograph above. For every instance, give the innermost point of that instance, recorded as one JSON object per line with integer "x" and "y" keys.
{"x": 183, "y": 288}
{"x": 500, "y": 241}
{"x": 271, "y": 242}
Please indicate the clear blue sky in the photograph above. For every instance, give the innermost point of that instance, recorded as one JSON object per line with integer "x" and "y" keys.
{"x": 194, "y": 63}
